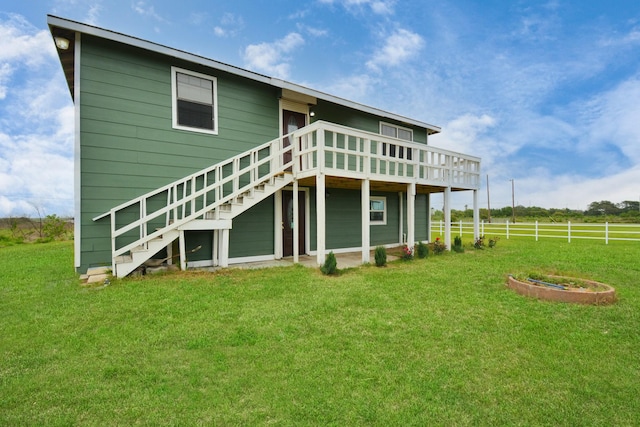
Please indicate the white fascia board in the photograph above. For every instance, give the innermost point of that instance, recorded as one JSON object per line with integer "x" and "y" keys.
{"x": 55, "y": 21}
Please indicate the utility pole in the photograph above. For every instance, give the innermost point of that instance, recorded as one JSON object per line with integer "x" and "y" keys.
{"x": 513, "y": 201}
{"x": 488, "y": 200}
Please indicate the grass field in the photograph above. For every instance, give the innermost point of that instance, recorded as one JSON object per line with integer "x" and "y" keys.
{"x": 439, "y": 341}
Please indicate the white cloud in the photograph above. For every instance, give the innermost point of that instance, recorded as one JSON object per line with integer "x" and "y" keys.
{"x": 617, "y": 119}
{"x": 356, "y": 87}
{"x": 380, "y": 7}
{"x": 36, "y": 122}
{"x": 398, "y": 48}
{"x": 93, "y": 14}
{"x": 271, "y": 58}
{"x": 230, "y": 25}
{"x": 29, "y": 45}
{"x": 141, "y": 8}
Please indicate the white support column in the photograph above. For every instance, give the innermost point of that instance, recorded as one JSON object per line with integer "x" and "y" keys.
{"x": 170, "y": 253}
{"x": 223, "y": 249}
{"x": 411, "y": 214}
{"x": 401, "y": 216}
{"x": 278, "y": 225}
{"x": 476, "y": 215}
{"x": 296, "y": 224}
{"x": 320, "y": 218}
{"x": 214, "y": 248}
{"x": 366, "y": 229}
{"x": 183, "y": 251}
{"x": 447, "y": 217}
{"x": 429, "y": 224}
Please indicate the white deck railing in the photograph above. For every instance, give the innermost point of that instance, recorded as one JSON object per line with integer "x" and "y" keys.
{"x": 318, "y": 148}
{"x": 345, "y": 152}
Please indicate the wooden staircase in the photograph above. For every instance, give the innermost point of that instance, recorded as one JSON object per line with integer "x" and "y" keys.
{"x": 218, "y": 218}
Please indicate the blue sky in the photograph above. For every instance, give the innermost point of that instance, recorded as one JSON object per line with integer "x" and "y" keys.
{"x": 546, "y": 93}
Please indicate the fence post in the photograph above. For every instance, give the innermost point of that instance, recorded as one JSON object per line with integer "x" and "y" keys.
{"x": 569, "y": 231}
{"x": 606, "y": 233}
{"x": 441, "y": 227}
{"x": 507, "y": 229}
{"x": 482, "y": 229}
{"x": 460, "y": 228}
{"x": 536, "y": 230}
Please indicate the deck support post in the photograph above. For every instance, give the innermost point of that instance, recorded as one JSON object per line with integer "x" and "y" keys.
{"x": 476, "y": 216}
{"x": 223, "y": 247}
{"x": 366, "y": 218}
{"x": 296, "y": 224}
{"x": 411, "y": 214}
{"x": 320, "y": 218}
{"x": 447, "y": 217}
{"x": 183, "y": 251}
{"x": 278, "y": 225}
{"x": 214, "y": 248}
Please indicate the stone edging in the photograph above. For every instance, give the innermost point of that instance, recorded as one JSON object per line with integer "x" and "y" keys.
{"x": 574, "y": 296}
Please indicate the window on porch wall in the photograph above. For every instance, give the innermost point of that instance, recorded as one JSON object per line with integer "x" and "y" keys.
{"x": 378, "y": 210}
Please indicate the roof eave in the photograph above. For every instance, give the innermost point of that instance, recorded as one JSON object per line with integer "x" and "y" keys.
{"x": 59, "y": 25}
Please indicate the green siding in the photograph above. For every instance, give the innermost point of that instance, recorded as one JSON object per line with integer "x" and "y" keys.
{"x": 252, "y": 233}
{"x": 128, "y": 146}
{"x": 342, "y": 115}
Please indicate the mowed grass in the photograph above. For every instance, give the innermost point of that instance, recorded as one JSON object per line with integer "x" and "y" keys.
{"x": 439, "y": 341}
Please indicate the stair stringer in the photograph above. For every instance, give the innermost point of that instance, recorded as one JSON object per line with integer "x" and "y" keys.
{"x": 124, "y": 265}
{"x": 252, "y": 197}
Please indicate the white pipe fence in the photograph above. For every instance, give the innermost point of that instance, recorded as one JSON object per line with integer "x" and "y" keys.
{"x": 568, "y": 231}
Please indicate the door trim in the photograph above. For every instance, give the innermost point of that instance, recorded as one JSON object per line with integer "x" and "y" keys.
{"x": 296, "y": 107}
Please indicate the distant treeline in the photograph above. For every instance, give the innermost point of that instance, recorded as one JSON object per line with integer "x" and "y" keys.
{"x": 627, "y": 211}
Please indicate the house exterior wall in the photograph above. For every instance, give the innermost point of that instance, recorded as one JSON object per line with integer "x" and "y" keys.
{"x": 128, "y": 145}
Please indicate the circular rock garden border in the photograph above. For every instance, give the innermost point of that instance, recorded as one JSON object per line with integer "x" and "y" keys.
{"x": 571, "y": 295}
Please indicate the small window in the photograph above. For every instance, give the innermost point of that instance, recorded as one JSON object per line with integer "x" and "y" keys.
{"x": 194, "y": 101}
{"x": 378, "y": 210}
{"x": 398, "y": 132}
{"x": 394, "y": 131}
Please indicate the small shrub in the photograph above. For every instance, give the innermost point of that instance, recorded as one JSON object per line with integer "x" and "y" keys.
{"x": 407, "y": 253}
{"x": 439, "y": 247}
{"x": 53, "y": 227}
{"x": 330, "y": 265}
{"x": 479, "y": 243}
{"x": 422, "y": 250}
{"x": 493, "y": 241}
{"x": 381, "y": 256}
{"x": 457, "y": 244}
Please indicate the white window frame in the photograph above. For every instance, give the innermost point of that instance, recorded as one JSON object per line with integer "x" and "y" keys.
{"x": 174, "y": 101}
{"x": 396, "y": 127}
{"x": 391, "y": 148}
{"x": 384, "y": 210}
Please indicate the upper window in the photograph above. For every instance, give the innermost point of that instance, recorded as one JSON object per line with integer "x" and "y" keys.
{"x": 194, "y": 101}
{"x": 396, "y": 132}
{"x": 378, "y": 210}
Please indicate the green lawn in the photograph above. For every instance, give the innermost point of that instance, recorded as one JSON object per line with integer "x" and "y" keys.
{"x": 439, "y": 341}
